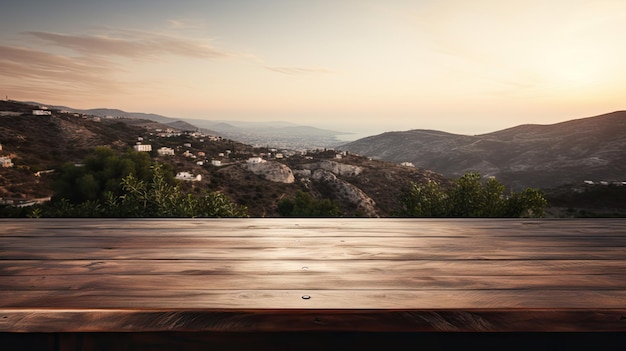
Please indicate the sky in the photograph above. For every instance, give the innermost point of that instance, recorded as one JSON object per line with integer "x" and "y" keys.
{"x": 366, "y": 66}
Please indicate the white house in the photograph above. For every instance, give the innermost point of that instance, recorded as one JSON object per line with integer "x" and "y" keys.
{"x": 41, "y": 113}
{"x": 216, "y": 162}
{"x": 187, "y": 144}
{"x": 165, "y": 151}
{"x": 6, "y": 162}
{"x": 143, "y": 147}
{"x": 186, "y": 176}
{"x": 255, "y": 160}
{"x": 407, "y": 164}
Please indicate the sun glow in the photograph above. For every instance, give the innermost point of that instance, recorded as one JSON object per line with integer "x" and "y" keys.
{"x": 573, "y": 67}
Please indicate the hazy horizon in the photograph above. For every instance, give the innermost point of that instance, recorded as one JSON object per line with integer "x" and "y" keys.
{"x": 346, "y": 133}
{"x": 357, "y": 65}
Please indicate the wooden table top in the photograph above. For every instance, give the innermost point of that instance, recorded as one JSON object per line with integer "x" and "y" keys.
{"x": 264, "y": 275}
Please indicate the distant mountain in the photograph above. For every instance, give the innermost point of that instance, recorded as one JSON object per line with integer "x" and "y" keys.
{"x": 542, "y": 156}
{"x": 104, "y": 112}
{"x": 274, "y": 133}
{"x": 182, "y": 125}
{"x": 278, "y": 134}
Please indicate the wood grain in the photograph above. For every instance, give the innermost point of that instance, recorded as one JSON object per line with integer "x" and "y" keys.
{"x": 280, "y": 275}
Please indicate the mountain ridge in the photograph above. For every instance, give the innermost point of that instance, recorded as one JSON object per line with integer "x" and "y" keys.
{"x": 528, "y": 155}
{"x": 280, "y": 133}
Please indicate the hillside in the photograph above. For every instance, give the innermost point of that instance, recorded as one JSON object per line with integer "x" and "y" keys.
{"x": 39, "y": 143}
{"x": 277, "y": 133}
{"x": 540, "y": 156}
{"x": 361, "y": 187}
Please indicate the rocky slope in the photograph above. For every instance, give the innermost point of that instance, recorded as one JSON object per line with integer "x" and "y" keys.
{"x": 271, "y": 171}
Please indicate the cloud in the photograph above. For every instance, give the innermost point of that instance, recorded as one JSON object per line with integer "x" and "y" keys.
{"x": 132, "y": 44}
{"x": 184, "y": 23}
{"x": 294, "y": 70}
{"x": 34, "y": 68}
{"x": 30, "y": 63}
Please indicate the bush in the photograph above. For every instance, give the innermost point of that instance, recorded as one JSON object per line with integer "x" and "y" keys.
{"x": 470, "y": 197}
{"x": 133, "y": 195}
{"x": 304, "y": 205}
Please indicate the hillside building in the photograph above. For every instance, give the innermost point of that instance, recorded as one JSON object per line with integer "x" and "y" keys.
{"x": 142, "y": 147}
{"x": 41, "y": 113}
{"x": 6, "y": 162}
{"x": 255, "y": 160}
{"x": 165, "y": 151}
{"x": 186, "y": 176}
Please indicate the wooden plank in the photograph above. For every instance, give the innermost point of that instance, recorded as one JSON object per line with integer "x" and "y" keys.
{"x": 485, "y": 268}
{"x": 417, "y": 241}
{"x": 263, "y": 227}
{"x": 451, "y": 299}
{"x": 307, "y": 320}
{"x": 318, "y": 253}
{"x": 298, "y": 281}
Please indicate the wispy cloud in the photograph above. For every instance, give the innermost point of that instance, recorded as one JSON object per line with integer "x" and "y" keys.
{"x": 95, "y": 64}
{"x": 133, "y": 44}
{"x": 37, "y": 73}
{"x": 184, "y": 23}
{"x": 295, "y": 70}
{"x": 19, "y": 62}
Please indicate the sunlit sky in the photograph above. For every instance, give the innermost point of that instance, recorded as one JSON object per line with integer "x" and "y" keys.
{"x": 459, "y": 66}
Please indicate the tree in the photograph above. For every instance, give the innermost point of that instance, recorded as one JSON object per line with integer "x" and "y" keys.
{"x": 145, "y": 190}
{"x": 466, "y": 197}
{"x": 304, "y": 205}
{"x": 102, "y": 172}
{"x": 528, "y": 203}
{"x": 427, "y": 200}
{"x": 469, "y": 196}
{"x": 158, "y": 198}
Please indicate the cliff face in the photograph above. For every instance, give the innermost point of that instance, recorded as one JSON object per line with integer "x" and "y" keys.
{"x": 272, "y": 171}
{"x": 347, "y": 192}
{"x": 325, "y": 172}
{"x": 340, "y": 169}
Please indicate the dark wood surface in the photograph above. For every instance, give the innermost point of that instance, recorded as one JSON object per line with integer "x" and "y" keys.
{"x": 312, "y": 275}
